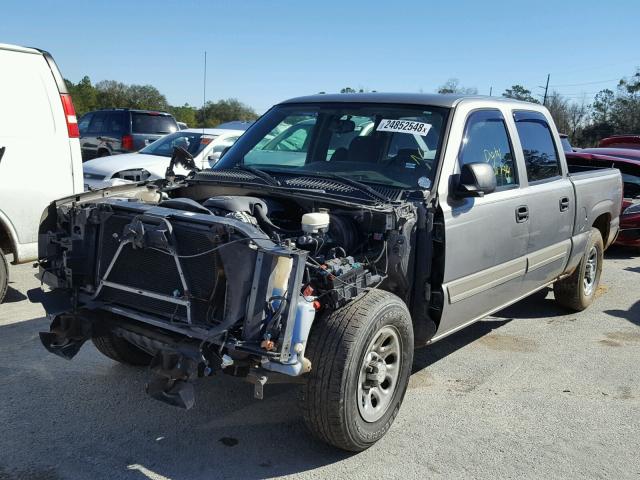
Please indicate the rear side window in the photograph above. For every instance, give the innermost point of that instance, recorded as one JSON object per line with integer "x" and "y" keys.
{"x": 83, "y": 125}
{"x": 115, "y": 123}
{"x": 486, "y": 140}
{"x": 97, "y": 123}
{"x": 539, "y": 149}
{"x": 152, "y": 123}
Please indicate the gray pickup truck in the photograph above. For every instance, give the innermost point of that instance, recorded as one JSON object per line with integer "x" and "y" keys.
{"x": 376, "y": 223}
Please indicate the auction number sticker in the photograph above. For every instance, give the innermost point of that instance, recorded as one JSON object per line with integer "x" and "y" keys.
{"x": 404, "y": 126}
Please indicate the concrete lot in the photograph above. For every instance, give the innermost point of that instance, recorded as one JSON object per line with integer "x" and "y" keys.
{"x": 533, "y": 392}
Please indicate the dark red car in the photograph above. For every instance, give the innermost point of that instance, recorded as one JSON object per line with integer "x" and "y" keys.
{"x": 629, "y": 166}
{"x": 621, "y": 141}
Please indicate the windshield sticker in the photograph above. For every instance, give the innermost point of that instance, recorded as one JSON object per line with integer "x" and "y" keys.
{"x": 404, "y": 126}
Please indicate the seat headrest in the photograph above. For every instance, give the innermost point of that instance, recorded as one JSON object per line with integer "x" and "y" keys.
{"x": 363, "y": 149}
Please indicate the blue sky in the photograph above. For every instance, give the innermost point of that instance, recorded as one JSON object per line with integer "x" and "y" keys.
{"x": 262, "y": 52}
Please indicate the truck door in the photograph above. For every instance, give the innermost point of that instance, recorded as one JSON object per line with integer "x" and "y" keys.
{"x": 549, "y": 198}
{"x": 485, "y": 239}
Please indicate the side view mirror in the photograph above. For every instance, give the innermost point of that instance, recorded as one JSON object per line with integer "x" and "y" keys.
{"x": 476, "y": 180}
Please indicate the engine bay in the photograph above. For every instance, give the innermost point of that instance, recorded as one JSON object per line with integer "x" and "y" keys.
{"x": 212, "y": 277}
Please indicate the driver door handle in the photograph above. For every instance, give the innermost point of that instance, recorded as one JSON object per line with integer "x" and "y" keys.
{"x": 522, "y": 214}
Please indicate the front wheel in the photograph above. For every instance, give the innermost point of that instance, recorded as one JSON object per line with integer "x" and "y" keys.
{"x": 361, "y": 358}
{"x": 578, "y": 290}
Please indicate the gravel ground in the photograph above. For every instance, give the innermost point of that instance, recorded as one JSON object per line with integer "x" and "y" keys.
{"x": 532, "y": 392}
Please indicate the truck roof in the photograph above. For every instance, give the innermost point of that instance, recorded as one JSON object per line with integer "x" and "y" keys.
{"x": 434, "y": 99}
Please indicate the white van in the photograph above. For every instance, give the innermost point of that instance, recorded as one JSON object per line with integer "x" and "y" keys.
{"x": 39, "y": 149}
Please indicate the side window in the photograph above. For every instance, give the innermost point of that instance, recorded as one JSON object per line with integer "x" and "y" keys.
{"x": 486, "y": 140}
{"x": 83, "y": 125}
{"x": 114, "y": 123}
{"x": 538, "y": 147}
{"x": 97, "y": 123}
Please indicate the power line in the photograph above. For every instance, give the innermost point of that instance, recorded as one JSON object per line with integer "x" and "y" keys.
{"x": 584, "y": 83}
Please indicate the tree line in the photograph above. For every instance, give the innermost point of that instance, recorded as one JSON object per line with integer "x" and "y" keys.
{"x": 610, "y": 112}
{"x": 113, "y": 94}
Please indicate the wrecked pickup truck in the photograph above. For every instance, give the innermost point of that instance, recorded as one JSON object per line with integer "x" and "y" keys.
{"x": 339, "y": 233}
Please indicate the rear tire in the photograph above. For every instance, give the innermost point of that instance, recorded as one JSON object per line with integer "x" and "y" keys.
{"x": 578, "y": 290}
{"x": 4, "y": 275}
{"x": 361, "y": 357}
{"x": 120, "y": 350}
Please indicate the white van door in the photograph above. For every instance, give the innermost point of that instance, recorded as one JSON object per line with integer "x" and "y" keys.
{"x": 36, "y": 166}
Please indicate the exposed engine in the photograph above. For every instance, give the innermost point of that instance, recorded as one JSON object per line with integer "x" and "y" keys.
{"x": 242, "y": 276}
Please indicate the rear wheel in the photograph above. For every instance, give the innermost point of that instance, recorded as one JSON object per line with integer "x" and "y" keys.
{"x": 120, "y": 350}
{"x": 578, "y": 290}
{"x": 361, "y": 358}
{"x": 4, "y": 275}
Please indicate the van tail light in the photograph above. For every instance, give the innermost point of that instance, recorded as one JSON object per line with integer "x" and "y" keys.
{"x": 70, "y": 115}
{"x": 127, "y": 142}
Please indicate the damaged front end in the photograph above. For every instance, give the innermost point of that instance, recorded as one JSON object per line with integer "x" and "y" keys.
{"x": 196, "y": 291}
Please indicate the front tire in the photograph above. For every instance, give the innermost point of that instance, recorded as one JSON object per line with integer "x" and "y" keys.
{"x": 578, "y": 290}
{"x": 120, "y": 350}
{"x": 361, "y": 357}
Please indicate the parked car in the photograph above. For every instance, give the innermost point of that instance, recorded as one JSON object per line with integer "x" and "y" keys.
{"x": 630, "y": 169}
{"x": 205, "y": 144}
{"x": 621, "y": 141}
{"x": 182, "y": 126}
{"x": 38, "y": 163}
{"x": 121, "y": 130}
{"x": 332, "y": 270}
{"x": 627, "y": 153}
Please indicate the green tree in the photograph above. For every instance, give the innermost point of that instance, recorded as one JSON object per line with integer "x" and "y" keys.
{"x": 186, "y": 114}
{"x": 112, "y": 94}
{"x": 519, "y": 93}
{"x": 83, "y": 94}
{"x": 146, "y": 97}
{"x": 215, "y": 113}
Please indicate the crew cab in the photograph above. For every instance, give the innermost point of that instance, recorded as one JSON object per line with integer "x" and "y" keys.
{"x": 334, "y": 268}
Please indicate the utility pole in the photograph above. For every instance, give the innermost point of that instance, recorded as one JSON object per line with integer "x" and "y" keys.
{"x": 490, "y": 91}
{"x": 546, "y": 89}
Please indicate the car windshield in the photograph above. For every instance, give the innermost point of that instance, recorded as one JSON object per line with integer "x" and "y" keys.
{"x": 193, "y": 142}
{"x": 393, "y": 145}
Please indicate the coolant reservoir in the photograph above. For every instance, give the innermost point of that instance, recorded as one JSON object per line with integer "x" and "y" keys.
{"x": 313, "y": 222}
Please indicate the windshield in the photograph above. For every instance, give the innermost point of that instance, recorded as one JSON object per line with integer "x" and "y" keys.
{"x": 392, "y": 145}
{"x": 193, "y": 142}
